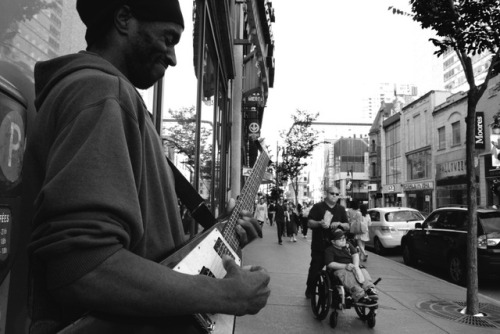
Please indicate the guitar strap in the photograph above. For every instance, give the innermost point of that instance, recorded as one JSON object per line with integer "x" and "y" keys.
{"x": 191, "y": 199}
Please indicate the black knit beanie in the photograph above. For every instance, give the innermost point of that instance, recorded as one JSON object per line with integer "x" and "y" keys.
{"x": 97, "y": 15}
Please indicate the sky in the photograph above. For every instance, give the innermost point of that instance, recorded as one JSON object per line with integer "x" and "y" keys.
{"x": 325, "y": 52}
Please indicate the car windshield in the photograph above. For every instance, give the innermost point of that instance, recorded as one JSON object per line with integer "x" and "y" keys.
{"x": 491, "y": 224}
{"x": 400, "y": 216}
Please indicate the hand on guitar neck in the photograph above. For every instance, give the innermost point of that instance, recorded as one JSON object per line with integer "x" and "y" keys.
{"x": 248, "y": 228}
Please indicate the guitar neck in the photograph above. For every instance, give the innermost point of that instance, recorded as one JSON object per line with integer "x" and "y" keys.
{"x": 246, "y": 199}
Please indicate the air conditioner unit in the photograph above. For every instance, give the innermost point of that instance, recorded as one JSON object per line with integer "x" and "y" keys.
{"x": 372, "y": 187}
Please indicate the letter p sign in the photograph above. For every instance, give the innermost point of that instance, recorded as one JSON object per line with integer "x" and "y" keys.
{"x": 11, "y": 146}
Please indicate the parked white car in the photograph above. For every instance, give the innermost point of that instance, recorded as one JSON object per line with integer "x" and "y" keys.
{"x": 388, "y": 226}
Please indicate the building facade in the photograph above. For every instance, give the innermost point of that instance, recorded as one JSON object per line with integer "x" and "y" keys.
{"x": 449, "y": 130}
{"x": 417, "y": 170}
{"x": 348, "y": 167}
{"x": 429, "y": 168}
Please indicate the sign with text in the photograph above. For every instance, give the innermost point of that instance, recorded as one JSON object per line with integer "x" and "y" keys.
{"x": 479, "y": 139}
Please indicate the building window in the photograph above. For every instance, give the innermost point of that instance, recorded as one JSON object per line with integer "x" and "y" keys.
{"x": 441, "y": 138}
{"x": 393, "y": 154}
{"x": 455, "y": 131}
{"x": 419, "y": 165}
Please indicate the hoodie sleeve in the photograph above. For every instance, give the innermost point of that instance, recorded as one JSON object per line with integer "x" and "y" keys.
{"x": 87, "y": 208}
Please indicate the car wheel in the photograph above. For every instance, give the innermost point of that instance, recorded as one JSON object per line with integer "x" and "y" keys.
{"x": 377, "y": 247}
{"x": 408, "y": 256}
{"x": 456, "y": 270}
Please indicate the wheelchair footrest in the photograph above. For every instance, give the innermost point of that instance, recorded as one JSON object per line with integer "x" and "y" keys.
{"x": 374, "y": 306}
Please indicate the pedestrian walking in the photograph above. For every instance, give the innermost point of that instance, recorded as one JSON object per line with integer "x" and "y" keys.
{"x": 260, "y": 212}
{"x": 279, "y": 217}
{"x": 298, "y": 211}
{"x": 271, "y": 211}
{"x": 364, "y": 236}
{"x": 291, "y": 219}
{"x": 303, "y": 219}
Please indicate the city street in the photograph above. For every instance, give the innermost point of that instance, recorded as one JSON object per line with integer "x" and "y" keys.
{"x": 489, "y": 287}
{"x": 411, "y": 301}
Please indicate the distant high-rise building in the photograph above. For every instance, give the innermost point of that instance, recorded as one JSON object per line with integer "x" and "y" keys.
{"x": 373, "y": 96}
{"x": 52, "y": 32}
{"x": 453, "y": 73}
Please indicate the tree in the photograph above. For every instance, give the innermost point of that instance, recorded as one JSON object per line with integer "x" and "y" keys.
{"x": 300, "y": 141}
{"x": 181, "y": 137}
{"x": 468, "y": 27}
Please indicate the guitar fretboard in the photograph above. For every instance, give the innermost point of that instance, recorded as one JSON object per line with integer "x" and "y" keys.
{"x": 246, "y": 200}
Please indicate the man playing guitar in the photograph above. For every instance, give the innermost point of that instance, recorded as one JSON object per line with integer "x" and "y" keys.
{"x": 106, "y": 209}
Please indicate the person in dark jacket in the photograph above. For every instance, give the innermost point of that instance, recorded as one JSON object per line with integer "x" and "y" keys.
{"x": 106, "y": 211}
{"x": 279, "y": 217}
{"x": 323, "y": 216}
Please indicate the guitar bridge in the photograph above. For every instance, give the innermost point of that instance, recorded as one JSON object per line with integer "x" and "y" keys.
{"x": 222, "y": 249}
{"x": 207, "y": 272}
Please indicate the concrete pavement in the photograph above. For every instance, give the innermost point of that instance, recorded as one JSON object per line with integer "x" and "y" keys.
{"x": 410, "y": 301}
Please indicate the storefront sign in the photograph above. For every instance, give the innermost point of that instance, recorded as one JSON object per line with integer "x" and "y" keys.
{"x": 392, "y": 188}
{"x": 418, "y": 186}
{"x": 479, "y": 140}
{"x": 451, "y": 168}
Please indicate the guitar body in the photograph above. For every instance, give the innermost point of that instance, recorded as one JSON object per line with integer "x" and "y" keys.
{"x": 201, "y": 256}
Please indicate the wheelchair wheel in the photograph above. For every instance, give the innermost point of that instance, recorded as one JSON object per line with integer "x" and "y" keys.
{"x": 334, "y": 318}
{"x": 321, "y": 299}
{"x": 371, "y": 319}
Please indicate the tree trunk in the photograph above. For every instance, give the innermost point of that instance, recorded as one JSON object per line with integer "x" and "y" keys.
{"x": 472, "y": 277}
{"x": 295, "y": 186}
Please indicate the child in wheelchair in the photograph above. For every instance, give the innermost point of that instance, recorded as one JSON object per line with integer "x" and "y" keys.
{"x": 342, "y": 262}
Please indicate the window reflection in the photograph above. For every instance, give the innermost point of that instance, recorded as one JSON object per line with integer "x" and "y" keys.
{"x": 207, "y": 114}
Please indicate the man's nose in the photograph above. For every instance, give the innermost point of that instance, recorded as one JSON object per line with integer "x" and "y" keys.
{"x": 171, "y": 58}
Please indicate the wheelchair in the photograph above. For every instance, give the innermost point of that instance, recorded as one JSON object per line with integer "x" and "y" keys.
{"x": 332, "y": 295}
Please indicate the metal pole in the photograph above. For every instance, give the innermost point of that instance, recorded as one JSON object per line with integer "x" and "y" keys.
{"x": 277, "y": 178}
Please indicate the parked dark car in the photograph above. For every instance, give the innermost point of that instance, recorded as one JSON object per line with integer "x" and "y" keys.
{"x": 441, "y": 240}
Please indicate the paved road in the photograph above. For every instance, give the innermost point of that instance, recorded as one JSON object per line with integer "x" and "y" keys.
{"x": 487, "y": 287}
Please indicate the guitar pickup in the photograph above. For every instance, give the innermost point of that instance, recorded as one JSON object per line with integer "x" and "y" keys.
{"x": 221, "y": 249}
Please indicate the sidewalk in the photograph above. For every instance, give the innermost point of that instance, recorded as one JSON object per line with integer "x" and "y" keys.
{"x": 410, "y": 301}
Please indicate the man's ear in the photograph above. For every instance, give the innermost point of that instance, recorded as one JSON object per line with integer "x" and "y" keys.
{"x": 122, "y": 18}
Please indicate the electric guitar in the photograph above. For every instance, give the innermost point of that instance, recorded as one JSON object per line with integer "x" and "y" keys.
{"x": 200, "y": 256}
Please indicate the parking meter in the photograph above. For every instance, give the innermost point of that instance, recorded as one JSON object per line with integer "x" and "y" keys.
{"x": 13, "y": 119}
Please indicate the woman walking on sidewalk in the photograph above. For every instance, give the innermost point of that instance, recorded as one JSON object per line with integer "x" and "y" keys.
{"x": 291, "y": 218}
{"x": 364, "y": 236}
